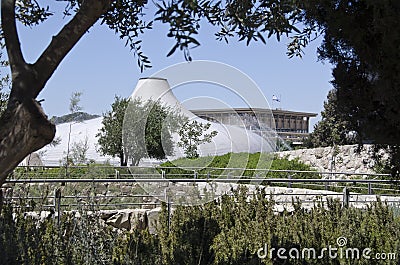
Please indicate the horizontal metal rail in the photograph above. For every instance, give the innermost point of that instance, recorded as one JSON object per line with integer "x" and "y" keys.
{"x": 200, "y": 180}
{"x": 209, "y": 169}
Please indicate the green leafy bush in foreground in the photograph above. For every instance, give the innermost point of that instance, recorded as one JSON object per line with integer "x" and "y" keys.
{"x": 229, "y": 230}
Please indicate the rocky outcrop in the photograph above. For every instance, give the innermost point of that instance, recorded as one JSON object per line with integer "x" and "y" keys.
{"x": 340, "y": 159}
{"x": 130, "y": 219}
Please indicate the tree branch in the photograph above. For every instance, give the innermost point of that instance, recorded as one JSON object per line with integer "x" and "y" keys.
{"x": 11, "y": 38}
{"x": 65, "y": 40}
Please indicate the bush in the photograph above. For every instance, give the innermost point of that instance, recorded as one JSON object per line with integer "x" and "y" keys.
{"x": 232, "y": 230}
{"x": 229, "y": 230}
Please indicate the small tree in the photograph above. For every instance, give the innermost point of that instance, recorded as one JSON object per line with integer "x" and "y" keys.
{"x": 135, "y": 130}
{"x": 110, "y": 134}
{"x": 191, "y": 136}
{"x": 74, "y": 101}
{"x": 73, "y": 108}
{"x": 148, "y": 129}
{"x": 79, "y": 151}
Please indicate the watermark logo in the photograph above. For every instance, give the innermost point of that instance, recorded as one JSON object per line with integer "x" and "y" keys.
{"x": 338, "y": 251}
{"x": 341, "y": 241}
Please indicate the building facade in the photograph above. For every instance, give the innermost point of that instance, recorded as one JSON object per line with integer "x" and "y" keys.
{"x": 291, "y": 126}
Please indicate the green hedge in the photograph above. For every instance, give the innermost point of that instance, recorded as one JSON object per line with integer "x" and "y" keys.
{"x": 229, "y": 230}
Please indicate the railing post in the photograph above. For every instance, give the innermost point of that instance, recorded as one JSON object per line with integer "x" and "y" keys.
{"x": 163, "y": 174}
{"x": 195, "y": 177}
{"x": 169, "y": 213}
{"x": 168, "y": 201}
{"x": 346, "y": 197}
{"x": 369, "y": 188}
{"x": 57, "y": 204}
{"x": 289, "y": 183}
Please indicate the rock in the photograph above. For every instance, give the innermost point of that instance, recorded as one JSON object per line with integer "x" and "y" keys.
{"x": 107, "y": 214}
{"x": 346, "y": 160}
{"x": 139, "y": 219}
{"x": 32, "y": 159}
{"x": 130, "y": 219}
{"x": 121, "y": 220}
{"x": 152, "y": 217}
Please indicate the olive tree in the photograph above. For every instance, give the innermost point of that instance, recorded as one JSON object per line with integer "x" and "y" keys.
{"x": 110, "y": 134}
{"x": 147, "y": 130}
{"x": 25, "y": 128}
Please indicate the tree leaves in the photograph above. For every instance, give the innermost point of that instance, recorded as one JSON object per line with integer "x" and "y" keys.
{"x": 333, "y": 129}
{"x": 110, "y": 134}
{"x": 250, "y": 21}
{"x": 361, "y": 39}
{"x": 192, "y": 134}
{"x": 30, "y": 13}
{"x": 125, "y": 17}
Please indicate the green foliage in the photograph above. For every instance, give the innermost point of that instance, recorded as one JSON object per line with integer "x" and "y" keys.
{"x": 137, "y": 247}
{"x": 192, "y": 135}
{"x": 229, "y": 230}
{"x": 246, "y": 20}
{"x": 79, "y": 151}
{"x": 73, "y": 117}
{"x": 161, "y": 122}
{"x": 30, "y": 13}
{"x": 239, "y": 227}
{"x": 361, "y": 41}
{"x": 135, "y": 129}
{"x": 74, "y": 102}
{"x": 333, "y": 129}
{"x": 188, "y": 238}
{"x": 254, "y": 164}
{"x": 110, "y": 134}
{"x": 26, "y": 240}
{"x": 147, "y": 129}
{"x": 128, "y": 19}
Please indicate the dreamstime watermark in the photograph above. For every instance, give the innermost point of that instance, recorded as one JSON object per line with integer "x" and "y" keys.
{"x": 338, "y": 251}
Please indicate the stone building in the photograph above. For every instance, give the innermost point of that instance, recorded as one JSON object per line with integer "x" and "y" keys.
{"x": 291, "y": 126}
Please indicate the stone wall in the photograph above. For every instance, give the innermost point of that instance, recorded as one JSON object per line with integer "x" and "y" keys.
{"x": 344, "y": 159}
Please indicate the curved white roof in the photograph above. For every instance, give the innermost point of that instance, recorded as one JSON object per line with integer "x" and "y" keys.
{"x": 228, "y": 139}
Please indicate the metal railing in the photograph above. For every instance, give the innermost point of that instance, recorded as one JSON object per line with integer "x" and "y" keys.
{"x": 326, "y": 183}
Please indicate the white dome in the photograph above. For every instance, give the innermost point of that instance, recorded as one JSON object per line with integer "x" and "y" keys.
{"x": 229, "y": 138}
{"x": 81, "y": 133}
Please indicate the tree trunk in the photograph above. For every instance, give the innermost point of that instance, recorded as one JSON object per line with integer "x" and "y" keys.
{"x": 24, "y": 128}
{"x": 122, "y": 160}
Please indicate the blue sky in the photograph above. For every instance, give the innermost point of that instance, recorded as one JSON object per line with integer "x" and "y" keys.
{"x": 101, "y": 66}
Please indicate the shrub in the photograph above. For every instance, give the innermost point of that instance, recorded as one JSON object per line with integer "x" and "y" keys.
{"x": 229, "y": 230}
